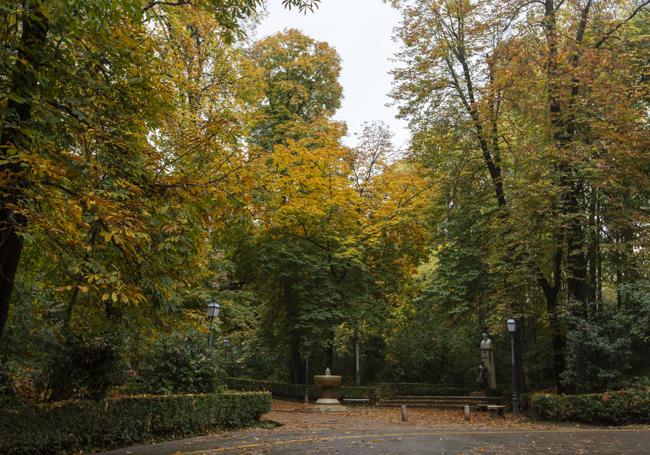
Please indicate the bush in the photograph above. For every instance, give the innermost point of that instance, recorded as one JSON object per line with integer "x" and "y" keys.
{"x": 278, "y": 389}
{"x": 373, "y": 392}
{"x": 83, "y": 369}
{"x": 610, "y": 408}
{"x": 416, "y": 388}
{"x": 8, "y": 395}
{"x": 87, "y": 425}
{"x": 598, "y": 351}
{"x": 181, "y": 364}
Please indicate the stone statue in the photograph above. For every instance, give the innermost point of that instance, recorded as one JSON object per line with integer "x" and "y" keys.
{"x": 327, "y": 372}
{"x": 486, "y": 343}
{"x": 487, "y": 361}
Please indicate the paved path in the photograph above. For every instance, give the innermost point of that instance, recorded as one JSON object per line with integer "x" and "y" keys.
{"x": 451, "y": 442}
{"x": 374, "y": 431}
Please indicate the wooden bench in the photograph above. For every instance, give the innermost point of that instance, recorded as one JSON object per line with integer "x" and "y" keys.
{"x": 356, "y": 400}
{"x": 495, "y": 409}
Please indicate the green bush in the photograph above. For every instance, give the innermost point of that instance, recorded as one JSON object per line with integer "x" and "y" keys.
{"x": 181, "y": 364}
{"x": 599, "y": 351}
{"x": 416, "y": 388}
{"x": 373, "y": 392}
{"x": 277, "y": 389}
{"x": 610, "y": 408}
{"x": 86, "y": 425}
{"x": 83, "y": 369}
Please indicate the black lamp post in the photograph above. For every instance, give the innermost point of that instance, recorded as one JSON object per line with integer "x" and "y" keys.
{"x": 213, "y": 312}
{"x": 512, "y": 328}
{"x": 307, "y": 344}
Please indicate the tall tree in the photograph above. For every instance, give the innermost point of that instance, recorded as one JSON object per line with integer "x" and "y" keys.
{"x": 469, "y": 75}
{"x": 84, "y": 87}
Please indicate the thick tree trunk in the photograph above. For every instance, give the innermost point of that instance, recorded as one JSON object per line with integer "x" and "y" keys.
{"x": 558, "y": 335}
{"x": 19, "y": 112}
{"x": 576, "y": 257}
{"x": 293, "y": 341}
{"x": 559, "y": 348}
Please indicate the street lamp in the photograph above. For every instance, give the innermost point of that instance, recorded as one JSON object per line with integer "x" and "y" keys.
{"x": 512, "y": 328}
{"x": 213, "y": 312}
{"x": 307, "y": 344}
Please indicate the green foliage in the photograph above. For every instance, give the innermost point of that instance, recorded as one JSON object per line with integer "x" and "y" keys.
{"x": 300, "y": 84}
{"x": 372, "y": 391}
{"x": 410, "y": 388}
{"x": 609, "y": 408}
{"x": 599, "y": 351}
{"x": 87, "y": 425}
{"x": 8, "y": 395}
{"x": 277, "y": 389}
{"x": 83, "y": 369}
{"x": 182, "y": 364}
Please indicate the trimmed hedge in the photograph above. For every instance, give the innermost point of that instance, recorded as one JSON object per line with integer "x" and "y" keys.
{"x": 277, "y": 389}
{"x": 85, "y": 425}
{"x": 414, "y": 388}
{"x": 374, "y": 392}
{"x": 610, "y": 408}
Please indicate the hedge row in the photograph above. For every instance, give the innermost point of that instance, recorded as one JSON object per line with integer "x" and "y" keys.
{"x": 610, "y": 408}
{"x": 373, "y": 392}
{"x": 277, "y": 389}
{"x": 414, "y": 388}
{"x": 86, "y": 425}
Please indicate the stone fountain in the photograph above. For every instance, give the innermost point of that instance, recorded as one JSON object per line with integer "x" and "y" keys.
{"x": 328, "y": 400}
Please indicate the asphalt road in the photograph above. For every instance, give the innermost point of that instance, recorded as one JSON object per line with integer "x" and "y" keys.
{"x": 400, "y": 441}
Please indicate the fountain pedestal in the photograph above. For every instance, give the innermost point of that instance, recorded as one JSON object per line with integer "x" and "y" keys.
{"x": 328, "y": 401}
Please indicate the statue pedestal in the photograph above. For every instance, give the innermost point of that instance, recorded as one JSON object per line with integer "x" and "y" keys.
{"x": 487, "y": 356}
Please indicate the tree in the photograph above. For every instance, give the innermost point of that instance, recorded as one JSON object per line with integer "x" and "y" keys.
{"x": 84, "y": 92}
{"x": 470, "y": 93}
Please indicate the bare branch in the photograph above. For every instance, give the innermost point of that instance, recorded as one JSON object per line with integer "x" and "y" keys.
{"x": 617, "y": 27}
{"x": 156, "y": 3}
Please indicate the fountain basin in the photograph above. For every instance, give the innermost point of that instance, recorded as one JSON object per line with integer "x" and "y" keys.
{"x": 324, "y": 380}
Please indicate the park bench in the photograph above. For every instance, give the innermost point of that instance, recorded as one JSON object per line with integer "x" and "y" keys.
{"x": 495, "y": 409}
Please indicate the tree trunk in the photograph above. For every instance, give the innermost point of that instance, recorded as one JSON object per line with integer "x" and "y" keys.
{"x": 293, "y": 336}
{"x": 576, "y": 258}
{"x": 24, "y": 86}
{"x": 551, "y": 294}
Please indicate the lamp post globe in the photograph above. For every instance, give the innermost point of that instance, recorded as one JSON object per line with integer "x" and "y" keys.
{"x": 213, "y": 309}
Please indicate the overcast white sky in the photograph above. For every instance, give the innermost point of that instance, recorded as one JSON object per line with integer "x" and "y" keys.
{"x": 361, "y": 31}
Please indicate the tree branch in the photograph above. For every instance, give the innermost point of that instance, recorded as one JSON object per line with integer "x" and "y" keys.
{"x": 156, "y": 3}
{"x": 614, "y": 29}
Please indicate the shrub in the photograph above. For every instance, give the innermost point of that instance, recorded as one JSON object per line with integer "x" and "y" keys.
{"x": 610, "y": 408}
{"x": 416, "y": 388}
{"x": 181, "y": 364}
{"x": 8, "y": 395}
{"x": 598, "y": 351}
{"x": 278, "y": 389}
{"x": 373, "y": 392}
{"x": 86, "y": 425}
{"x": 83, "y": 369}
